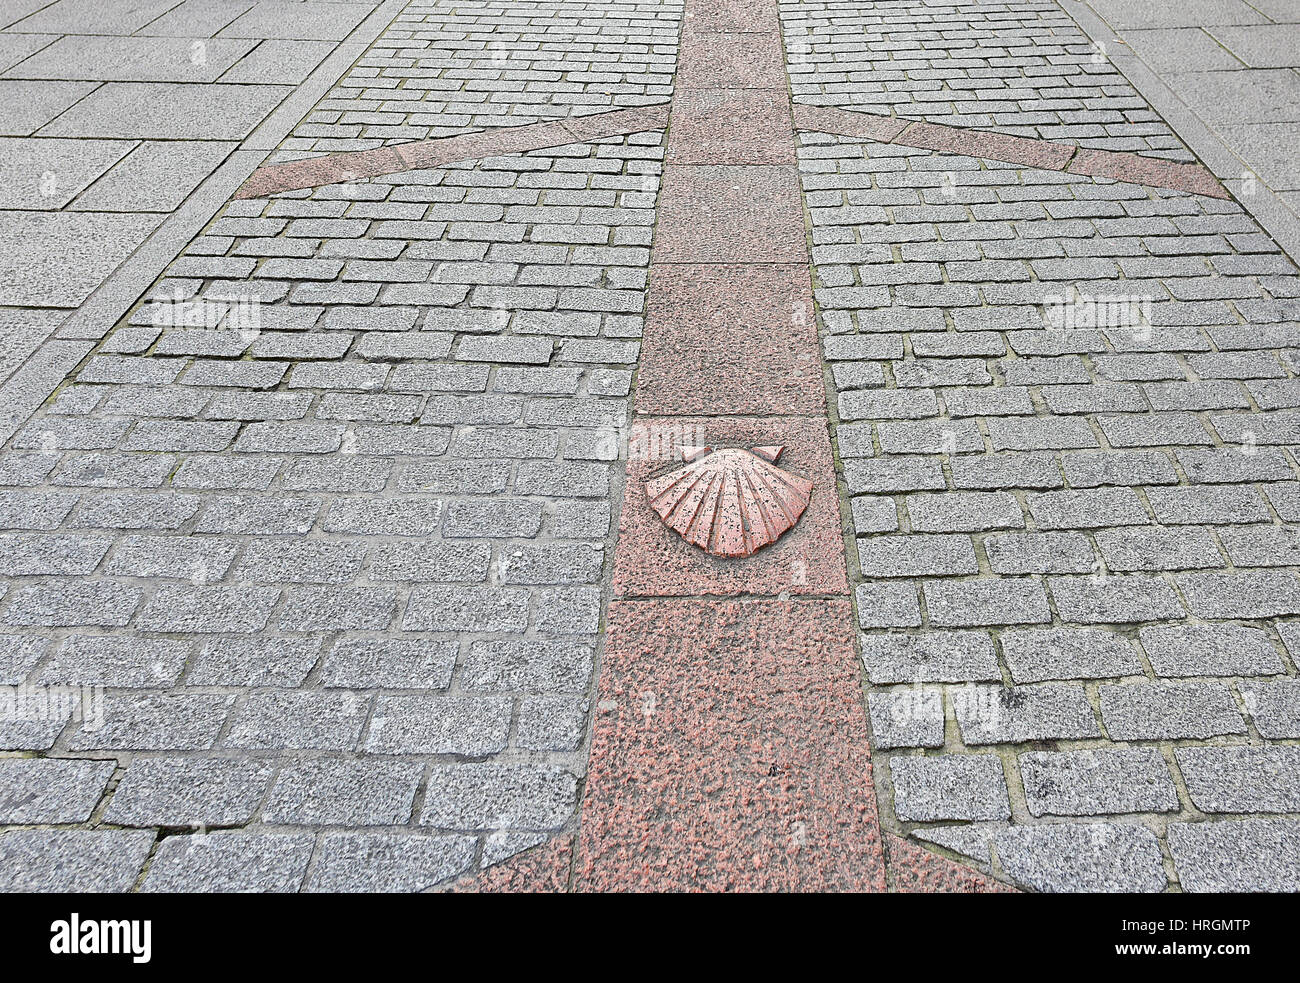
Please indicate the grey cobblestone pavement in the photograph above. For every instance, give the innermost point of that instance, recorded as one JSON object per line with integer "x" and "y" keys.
{"x": 123, "y": 127}
{"x": 304, "y": 561}
{"x": 1020, "y": 67}
{"x": 343, "y": 571}
{"x": 1075, "y": 540}
{"x": 447, "y": 68}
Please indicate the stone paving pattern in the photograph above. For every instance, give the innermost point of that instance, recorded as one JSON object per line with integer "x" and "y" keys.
{"x": 447, "y": 68}
{"x": 343, "y": 570}
{"x": 1235, "y": 63}
{"x": 1074, "y": 546}
{"x": 113, "y": 113}
{"x": 1017, "y": 66}
{"x": 120, "y": 122}
{"x": 342, "y": 573}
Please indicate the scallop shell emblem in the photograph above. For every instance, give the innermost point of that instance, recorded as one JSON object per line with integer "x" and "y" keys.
{"x": 729, "y": 501}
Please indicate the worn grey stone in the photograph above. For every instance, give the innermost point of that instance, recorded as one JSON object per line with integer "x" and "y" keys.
{"x": 365, "y": 862}
{"x": 189, "y": 792}
{"x": 1068, "y": 653}
{"x": 885, "y": 604}
{"x": 1015, "y": 714}
{"x": 1210, "y": 650}
{"x": 1114, "y": 599}
{"x": 1097, "y": 782}
{"x": 551, "y": 723}
{"x": 1089, "y": 857}
{"x": 916, "y": 556}
{"x": 439, "y": 725}
{"x": 955, "y": 786}
{"x": 528, "y": 664}
{"x": 337, "y": 608}
{"x": 256, "y": 661}
{"x": 1250, "y": 855}
{"x": 388, "y": 663}
{"x": 467, "y": 609}
{"x": 1042, "y": 552}
{"x": 230, "y": 863}
{"x": 969, "y": 603}
{"x": 906, "y": 717}
{"x": 937, "y": 656}
{"x": 1241, "y": 778}
{"x": 1165, "y": 711}
{"x": 343, "y": 792}
{"x": 1241, "y": 593}
{"x": 208, "y": 609}
{"x": 105, "y": 660}
{"x": 298, "y": 719}
{"x": 50, "y": 790}
{"x": 62, "y": 860}
{"x": 73, "y": 603}
{"x": 489, "y": 796}
{"x": 26, "y": 555}
{"x": 1274, "y": 707}
{"x": 149, "y": 721}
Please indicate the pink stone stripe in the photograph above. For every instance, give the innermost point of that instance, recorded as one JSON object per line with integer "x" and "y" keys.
{"x": 730, "y": 745}
{"x": 864, "y": 126}
{"x": 314, "y": 172}
{"x": 730, "y": 750}
{"x": 1152, "y": 172}
{"x": 981, "y": 143}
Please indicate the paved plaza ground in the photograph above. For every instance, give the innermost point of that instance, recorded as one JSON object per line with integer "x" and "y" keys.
{"x": 518, "y": 445}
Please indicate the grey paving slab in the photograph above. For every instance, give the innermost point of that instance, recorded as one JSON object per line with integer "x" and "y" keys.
{"x": 55, "y": 259}
{"x": 1094, "y": 783}
{"x": 950, "y": 787}
{"x": 170, "y": 111}
{"x": 279, "y": 62}
{"x": 15, "y": 10}
{"x": 1269, "y": 148}
{"x": 48, "y": 790}
{"x": 329, "y": 21}
{"x": 230, "y": 863}
{"x": 189, "y": 792}
{"x": 125, "y": 59}
{"x": 1191, "y": 13}
{"x": 155, "y": 176}
{"x": 1177, "y": 49}
{"x": 46, "y": 174}
{"x": 1282, "y": 11}
{"x": 50, "y": 860}
{"x": 1264, "y": 45}
{"x": 24, "y": 331}
{"x": 1092, "y": 857}
{"x": 27, "y": 106}
{"x": 15, "y": 47}
{"x": 195, "y": 18}
{"x": 1274, "y": 708}
{"x": 388, "y": 862}
{"x": 93, "y": 16}
{"x": 1242, "y": 779}
{"x": 1250, "y": 855}
{"x": 1252, "y": 95}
